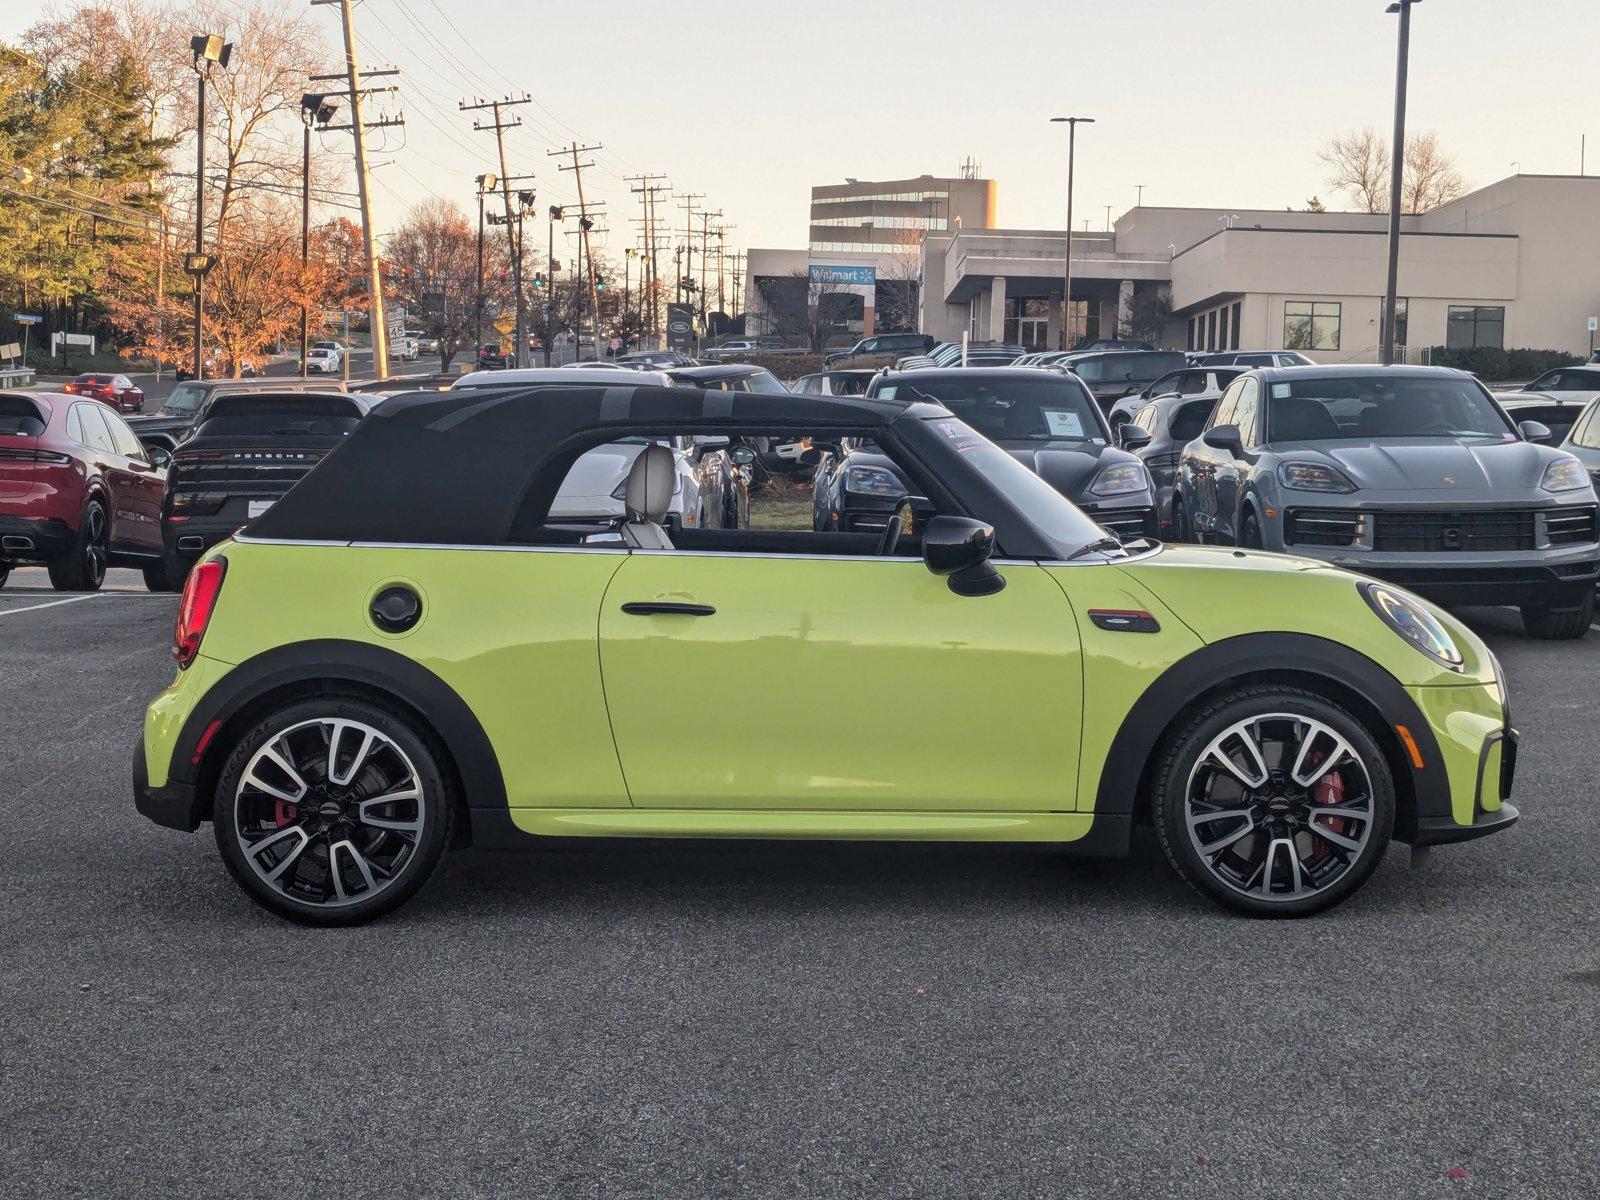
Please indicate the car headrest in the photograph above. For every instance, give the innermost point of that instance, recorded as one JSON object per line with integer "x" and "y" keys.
{"x": 650, "y": 482}
{"x": 1300, "y": 419}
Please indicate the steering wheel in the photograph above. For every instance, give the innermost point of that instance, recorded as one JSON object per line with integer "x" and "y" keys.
{"x": 891, "y": 532}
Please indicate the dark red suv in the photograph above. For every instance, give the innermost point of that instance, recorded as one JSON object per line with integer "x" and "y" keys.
{"x": 78, "y": 492}
{"x": 118, "y": 391}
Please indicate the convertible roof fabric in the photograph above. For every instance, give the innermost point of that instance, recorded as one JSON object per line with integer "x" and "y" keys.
{"x": 457, "y": 467}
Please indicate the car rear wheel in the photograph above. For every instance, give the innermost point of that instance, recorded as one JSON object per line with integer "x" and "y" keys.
{"x": 158, "y": 577}
{"x": 1250, "y": 536}
{"x": 5, "y": 573}
{"x": 83, "y": 568}
{"x": 1274, "y": 802}
{"x": 332, "y": 811}
{"x": 1553, "y": 625}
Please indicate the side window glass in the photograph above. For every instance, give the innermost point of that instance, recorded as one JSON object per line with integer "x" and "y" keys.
{"x": 1245, "y": 415}
{"x": 95, "y": 433}
{"x": 1193, "y": 385}
{"x": 123, "y": 438}
{"x": 75, "y": 426}
{"x": 1226, "y": 406}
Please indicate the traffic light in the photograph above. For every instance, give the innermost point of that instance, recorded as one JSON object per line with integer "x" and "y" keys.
{"x": 538, "y": 280}
{"x": 599, "y": 285}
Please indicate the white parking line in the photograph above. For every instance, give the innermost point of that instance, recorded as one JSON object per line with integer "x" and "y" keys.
{"x": 6, "y": 612}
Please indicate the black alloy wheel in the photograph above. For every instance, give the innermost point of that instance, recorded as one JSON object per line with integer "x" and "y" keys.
{"x": 83, "y": 567}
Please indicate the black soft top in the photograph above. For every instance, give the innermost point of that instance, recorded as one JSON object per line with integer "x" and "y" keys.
{"x": 458, "y": 467}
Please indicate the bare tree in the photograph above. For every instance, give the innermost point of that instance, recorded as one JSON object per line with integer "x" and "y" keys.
{"x": 1431, "y": 175}
{"x": 899, "y": 279}
{"x": 805, "y": 304}
{"x": 1358, "y": 166}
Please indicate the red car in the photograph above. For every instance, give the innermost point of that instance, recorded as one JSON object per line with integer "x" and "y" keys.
{"x": 116, "y": 390}
{"x": 78, "y": 492}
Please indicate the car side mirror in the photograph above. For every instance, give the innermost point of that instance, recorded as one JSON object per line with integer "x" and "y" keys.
{"x": 1223, "y": 437}
{"x": 959, "y": 548}
{"x": 1132, "y": 437}
{"x": 160, "y": 457}
{"x": 827, "y": 447}
{"x": 742, "y": 456}
{"x": 1536, "y": 432}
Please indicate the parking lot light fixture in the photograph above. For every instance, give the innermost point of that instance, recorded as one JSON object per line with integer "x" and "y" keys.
{"x": 1397, "y": 162}
{"x": 1072, "y": 124}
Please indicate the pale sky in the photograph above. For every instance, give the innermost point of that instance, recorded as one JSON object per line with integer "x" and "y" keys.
{"x": 1205, "y": 102}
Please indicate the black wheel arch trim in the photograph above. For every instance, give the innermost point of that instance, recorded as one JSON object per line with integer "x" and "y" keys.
{"x": 1124, "y": 774}
{"x": 332, "y": 662}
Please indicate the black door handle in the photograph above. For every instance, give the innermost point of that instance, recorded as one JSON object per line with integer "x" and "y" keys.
{"x": 654, "y": 608}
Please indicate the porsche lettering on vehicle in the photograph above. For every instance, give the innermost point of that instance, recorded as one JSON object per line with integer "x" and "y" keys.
{"x": 408, "y": 652}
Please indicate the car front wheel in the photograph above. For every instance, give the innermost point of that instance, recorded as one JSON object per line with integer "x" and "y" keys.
{"x": 1274, "y": 802}
{"x": 332, "y": 811}
{"x": 1553, "y": 625}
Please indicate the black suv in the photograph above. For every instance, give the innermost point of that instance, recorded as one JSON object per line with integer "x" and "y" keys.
{"x": 189, "y": 402}
{"x": 249, "y": 450}
{"x": 1112, "y": 374}
{"x": 891, "y": 345}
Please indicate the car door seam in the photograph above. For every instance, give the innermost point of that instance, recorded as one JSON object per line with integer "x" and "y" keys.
{"x": 600, "y": 665}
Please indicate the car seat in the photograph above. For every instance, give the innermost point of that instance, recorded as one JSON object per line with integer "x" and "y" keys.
{"x": 1301, "y": 419}
{"x": 647, "y": 497}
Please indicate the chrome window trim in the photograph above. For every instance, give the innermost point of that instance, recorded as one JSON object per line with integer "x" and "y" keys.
{"x": 1087, "y": 561}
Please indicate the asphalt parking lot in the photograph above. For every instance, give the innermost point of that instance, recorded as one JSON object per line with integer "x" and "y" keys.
{"x": 687, "y": 1019}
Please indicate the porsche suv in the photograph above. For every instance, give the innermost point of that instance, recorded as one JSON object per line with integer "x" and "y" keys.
{"x": 1412, "y": 474}
{"x": 405, "y": 654}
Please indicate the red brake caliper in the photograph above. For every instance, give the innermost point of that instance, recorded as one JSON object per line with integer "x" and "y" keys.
{"x": 1328, "y": 793}
{"x": 285, "y": 811}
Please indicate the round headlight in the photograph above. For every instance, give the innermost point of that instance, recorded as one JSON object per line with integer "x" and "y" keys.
{"x": 1412, "y": 622}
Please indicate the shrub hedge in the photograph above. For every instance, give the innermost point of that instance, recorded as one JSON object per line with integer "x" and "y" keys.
{"x": 1493, "y": 363}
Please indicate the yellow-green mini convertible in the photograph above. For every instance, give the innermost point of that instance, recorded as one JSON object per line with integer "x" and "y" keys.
{"x": 406, "y": 654}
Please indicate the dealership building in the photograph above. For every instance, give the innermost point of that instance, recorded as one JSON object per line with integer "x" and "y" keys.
{"x": 1513, "y": 264}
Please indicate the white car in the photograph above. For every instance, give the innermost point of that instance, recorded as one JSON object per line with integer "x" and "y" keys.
{"x": 324, "y": 359}
{"x": 404, "y": 348}
{"x": 1205, "y": 382}
{"x": 593, "y": 490}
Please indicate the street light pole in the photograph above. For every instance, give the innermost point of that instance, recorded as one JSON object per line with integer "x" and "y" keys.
{"x": 1072, "y": 124}
{"x": 1397, "y": 163}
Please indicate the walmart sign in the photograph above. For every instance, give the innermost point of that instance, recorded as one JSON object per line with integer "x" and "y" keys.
{"x": 843, "y": 276}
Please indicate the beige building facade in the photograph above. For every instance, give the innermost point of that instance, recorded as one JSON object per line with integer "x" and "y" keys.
{"x": 1514, "y": 264}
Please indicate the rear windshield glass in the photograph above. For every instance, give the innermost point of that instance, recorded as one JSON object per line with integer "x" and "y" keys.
{"x": 19, "y": 417}
{"x": 94, "y": 378}
{"x": 185, "y": 398}
{"x": 1358, "y": 407}
{"x": 1190, "y": 419}
{"x": 277, "y": 418}
{"x": 1048, "y": 408}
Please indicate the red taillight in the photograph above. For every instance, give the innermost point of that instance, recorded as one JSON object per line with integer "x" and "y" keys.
{"x": 194, "y": 610}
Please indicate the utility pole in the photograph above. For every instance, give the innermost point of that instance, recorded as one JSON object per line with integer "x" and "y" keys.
{"x": 352, "y": 75}
{"x": 646, "y": 191}
{"x": 486, "y": 183}
{"x": 584, "y": 225}
{"x": 687, "y": 269}
{"x": 705, "y": 240}
{"x": 722, "y": 234}
{"x": 513, "y": 227}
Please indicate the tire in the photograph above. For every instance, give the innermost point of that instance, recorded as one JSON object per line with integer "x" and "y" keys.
{"x": 83, "y": 567}
{"x": 176, "y": 568}
{"x": 5, "y": 573}
{"x": 1250, "y": 534}
{"x": 380, "y": 858}
{"x": 1287, "y": 860}
{"x": 158, "y": 577}
{"x": 1550, "y": 625}
{"x": 1179, "y": 532}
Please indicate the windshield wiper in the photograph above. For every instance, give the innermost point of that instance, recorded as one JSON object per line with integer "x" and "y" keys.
{"x": 1095, "y": 547}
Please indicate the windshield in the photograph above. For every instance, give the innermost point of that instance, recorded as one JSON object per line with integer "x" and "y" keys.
{"x": 1049, "y": 408}
{"x": 253, "y": 424}
{"x": 1369, "y": 406}
{"x": 185, "y": 398}
{"x": 763, "y": 381}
